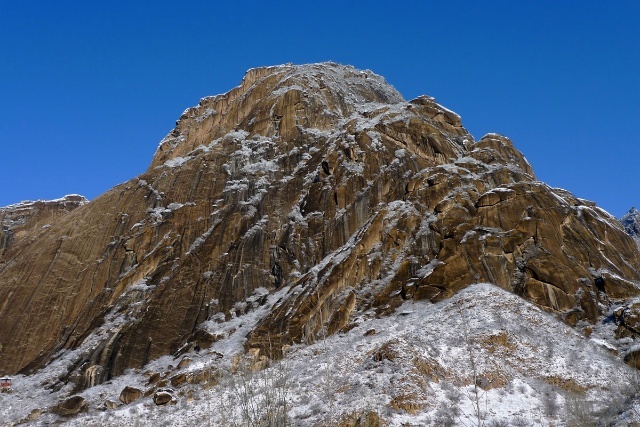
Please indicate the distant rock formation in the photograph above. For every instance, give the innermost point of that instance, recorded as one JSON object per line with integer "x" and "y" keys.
{"x": 631, "y": 223}
{"x": 319, "y": 180}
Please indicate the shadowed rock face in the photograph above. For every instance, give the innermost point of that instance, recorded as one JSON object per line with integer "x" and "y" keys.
{"x": 320, "y": 178}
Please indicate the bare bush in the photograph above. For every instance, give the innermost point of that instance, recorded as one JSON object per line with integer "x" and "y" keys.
{"x": 255, "y": 398}
{"x": 445, "y": 416}
{"x": 579, "y": 411}
{"x": 519, "y": 422}
{"x": 550, "y": 404}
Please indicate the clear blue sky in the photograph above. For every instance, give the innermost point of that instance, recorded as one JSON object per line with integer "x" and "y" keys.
{"x": 88, "y": 89}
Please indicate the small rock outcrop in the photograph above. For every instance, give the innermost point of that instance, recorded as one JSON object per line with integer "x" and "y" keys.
{"x": 316, "y": 180}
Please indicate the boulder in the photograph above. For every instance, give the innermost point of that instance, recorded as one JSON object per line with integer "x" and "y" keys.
{"x": 184, "y": 362}
{"x": 178, "y": 379}
{"x": 154, "y": 378}
{"x": 163, "y": 397}
{"x": 632, "y": 357}
{"x": 130, "y": 394}
{"x": 71, "y": 406}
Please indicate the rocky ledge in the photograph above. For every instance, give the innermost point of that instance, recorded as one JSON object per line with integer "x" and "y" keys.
{"x": 22, "y": 218}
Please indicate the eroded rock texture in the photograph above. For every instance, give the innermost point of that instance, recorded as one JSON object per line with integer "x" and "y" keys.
{"x": 320, "y": 178}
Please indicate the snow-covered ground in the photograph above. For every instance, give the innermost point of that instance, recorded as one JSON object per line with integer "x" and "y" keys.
{"x": 482, "y": 357}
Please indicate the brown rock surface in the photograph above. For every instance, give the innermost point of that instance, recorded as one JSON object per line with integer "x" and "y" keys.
{"x": 71, "y": 406}
{"x": 130, "y": 394}
{"x": 318, "y": 177}
{"x": 162, "y": 397}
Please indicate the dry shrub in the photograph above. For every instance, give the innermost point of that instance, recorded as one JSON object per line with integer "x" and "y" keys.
{"x": 498, "y": 342}
{"x": 566, "y": 384}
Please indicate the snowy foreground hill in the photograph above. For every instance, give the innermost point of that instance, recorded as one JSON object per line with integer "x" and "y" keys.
{"x": 420, "y": 364}
{"x": 311, "y": 249}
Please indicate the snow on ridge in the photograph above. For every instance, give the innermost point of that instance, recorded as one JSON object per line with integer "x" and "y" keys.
{"x": 447, "y": 111}
{"x": 342, "y": 79}
{"x": 29, "y": 203}
{"x": 281, "y": 91}
{"x": 493, "y": 135}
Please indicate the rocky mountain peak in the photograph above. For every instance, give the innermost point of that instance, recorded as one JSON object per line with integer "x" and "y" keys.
{"x": 352, "y": 86}
{"x": 631, "y": 223}
{"x": 301, "y": 203}
{"x": 281, "y": 101}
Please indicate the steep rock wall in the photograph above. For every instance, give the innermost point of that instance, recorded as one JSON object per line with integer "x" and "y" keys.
{"x": 319, "y": 178}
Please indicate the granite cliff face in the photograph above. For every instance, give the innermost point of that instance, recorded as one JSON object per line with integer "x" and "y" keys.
{"x": 318, "y": 181}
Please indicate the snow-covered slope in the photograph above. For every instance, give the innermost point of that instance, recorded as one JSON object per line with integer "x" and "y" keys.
{"x": 483, "y": 357}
